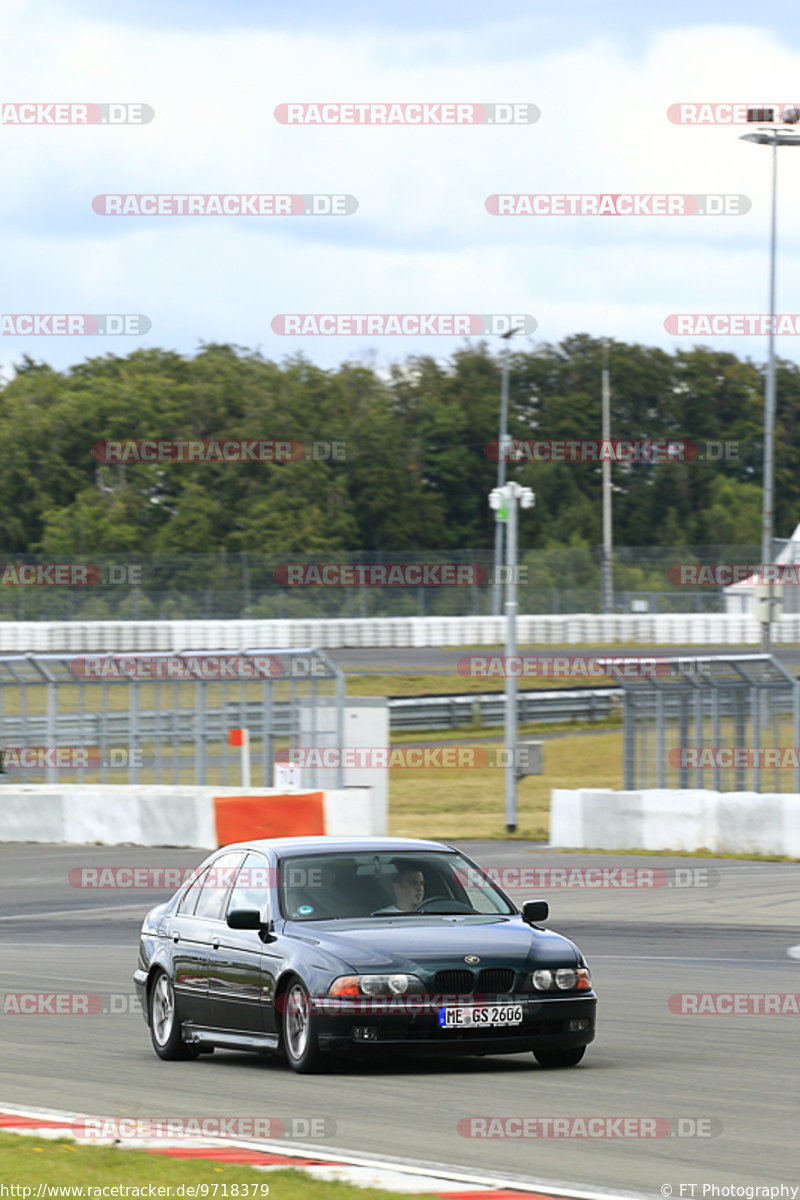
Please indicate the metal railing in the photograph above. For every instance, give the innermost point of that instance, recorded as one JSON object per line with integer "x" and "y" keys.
{"x": 162, "y": 717}
{"x": 545, "y": 706}
{"x": 728, "y": 722}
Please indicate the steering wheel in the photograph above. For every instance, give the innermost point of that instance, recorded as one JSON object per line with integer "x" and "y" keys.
{"x": 450, "y": 901}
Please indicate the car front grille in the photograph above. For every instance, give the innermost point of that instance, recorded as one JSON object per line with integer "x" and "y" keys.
{"x": 491, "y": 981}
{"x": 454, "y": 981}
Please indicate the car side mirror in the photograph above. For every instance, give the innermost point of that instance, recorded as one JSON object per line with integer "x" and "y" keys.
{"x": 535, "y": 911}
{"x": 245, "y": 918}
{"x": 250, "y": 918}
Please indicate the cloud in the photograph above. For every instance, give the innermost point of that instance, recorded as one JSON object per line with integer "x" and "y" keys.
{"x": 421, "y": 240}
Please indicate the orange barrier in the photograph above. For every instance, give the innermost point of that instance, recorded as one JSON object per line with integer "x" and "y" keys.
{"x": 241, "y": 818}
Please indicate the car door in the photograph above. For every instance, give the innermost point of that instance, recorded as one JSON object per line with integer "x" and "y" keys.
{"x": 242, "y": 967}
{"x": 189, "y": 950}
{"x": 208, "y": 917}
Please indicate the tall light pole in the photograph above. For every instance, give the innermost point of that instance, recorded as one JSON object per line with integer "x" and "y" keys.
{"x": 608, "y": 578}
{"x": 500, "y": 514}
{"x": 771, "y": 137}
{"x": 507, "y": 496}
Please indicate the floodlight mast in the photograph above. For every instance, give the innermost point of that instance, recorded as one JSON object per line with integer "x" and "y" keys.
{"x": 508, "y": 496}
{"x": 502, "y": 448}
{"x": 773, "y": 137}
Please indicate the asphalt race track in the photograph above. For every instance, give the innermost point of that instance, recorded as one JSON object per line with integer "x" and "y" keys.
{"x": 737, "y": 1071}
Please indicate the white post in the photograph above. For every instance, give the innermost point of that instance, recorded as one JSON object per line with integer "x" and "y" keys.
{"x": 245, "y": 751}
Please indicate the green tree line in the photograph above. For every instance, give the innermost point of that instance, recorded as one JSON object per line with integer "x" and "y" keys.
{"x": 416, "y": 472}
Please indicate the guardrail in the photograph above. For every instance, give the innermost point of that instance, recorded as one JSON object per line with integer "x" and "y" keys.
{"x": 488, "y": 708}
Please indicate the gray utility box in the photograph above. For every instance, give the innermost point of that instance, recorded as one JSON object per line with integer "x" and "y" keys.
{"x": 530, "y": 758}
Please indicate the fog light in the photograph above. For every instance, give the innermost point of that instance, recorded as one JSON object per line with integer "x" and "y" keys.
{"x": 365, "y": 1033}
{"x": 577, "y": 1026}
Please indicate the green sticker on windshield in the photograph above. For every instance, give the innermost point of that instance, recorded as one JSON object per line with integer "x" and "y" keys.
{"x": 304, "y": 910}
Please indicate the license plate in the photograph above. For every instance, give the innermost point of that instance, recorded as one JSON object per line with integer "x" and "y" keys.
{"x": 490, "y": 1016}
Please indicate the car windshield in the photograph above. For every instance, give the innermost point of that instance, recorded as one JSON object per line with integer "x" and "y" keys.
{"x": 322, "y": 887}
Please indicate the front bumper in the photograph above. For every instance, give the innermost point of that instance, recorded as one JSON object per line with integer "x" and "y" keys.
{"x": 140, "y": 983}
{"x": 562, "y": 1021}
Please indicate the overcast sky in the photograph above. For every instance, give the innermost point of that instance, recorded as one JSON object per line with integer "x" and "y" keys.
{"x": 421, "y": 241}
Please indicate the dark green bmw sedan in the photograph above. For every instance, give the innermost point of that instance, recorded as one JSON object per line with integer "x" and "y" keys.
{"x": 311, "y": 947}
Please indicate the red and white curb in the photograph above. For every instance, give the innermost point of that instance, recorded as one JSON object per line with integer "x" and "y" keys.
{"x": 391, "y": 1175}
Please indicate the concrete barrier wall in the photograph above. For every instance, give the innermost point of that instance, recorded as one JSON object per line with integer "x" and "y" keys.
{"x": 180, "y": 816}
{"x": 663, "y": 819}
{"x": 393, "y": 632}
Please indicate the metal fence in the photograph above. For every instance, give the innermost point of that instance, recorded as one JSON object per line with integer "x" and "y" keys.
{"x": 161, "y": 717}
{"x": 724, "y": 723}
{"x": 232, "y": 586}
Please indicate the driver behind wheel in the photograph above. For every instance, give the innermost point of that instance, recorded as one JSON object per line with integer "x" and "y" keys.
{"x": 408, "y": 887}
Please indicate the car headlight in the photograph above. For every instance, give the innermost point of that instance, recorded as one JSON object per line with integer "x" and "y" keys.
{"x": 542, "y": 980}
{"x": 563, "y": 979}
{"x": 374, "y": 985}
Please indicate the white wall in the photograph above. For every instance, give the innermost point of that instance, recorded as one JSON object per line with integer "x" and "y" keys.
{"x": 394, "y": 632}
{"x": 130, "y": 814}
{"x": 663, "y": 819}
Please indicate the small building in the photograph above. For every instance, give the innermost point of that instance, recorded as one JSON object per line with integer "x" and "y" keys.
{"x": 741, "y": 598}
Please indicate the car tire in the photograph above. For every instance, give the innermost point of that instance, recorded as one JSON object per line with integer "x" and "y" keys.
{"x": 299, "y": 1030}
{"x": 557, "y": 1057}
{"x": 165, "y": 1021}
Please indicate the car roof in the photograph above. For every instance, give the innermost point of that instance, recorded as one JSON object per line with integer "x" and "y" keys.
{"x": 289, "y": 846}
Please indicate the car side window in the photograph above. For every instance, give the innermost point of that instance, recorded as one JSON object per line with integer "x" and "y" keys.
{"x": 216, "y": 886}
{"x": 251, "y": 889}
{"x": 188, "y": 900}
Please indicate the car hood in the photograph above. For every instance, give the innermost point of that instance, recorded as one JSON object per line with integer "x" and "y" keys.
{"x": 432, "y": 944}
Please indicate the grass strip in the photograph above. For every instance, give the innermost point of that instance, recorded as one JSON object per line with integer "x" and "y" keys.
{"x": 29, "y": 1161}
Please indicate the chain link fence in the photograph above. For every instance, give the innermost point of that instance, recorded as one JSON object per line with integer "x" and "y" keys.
{"x": 226, "y": 586}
